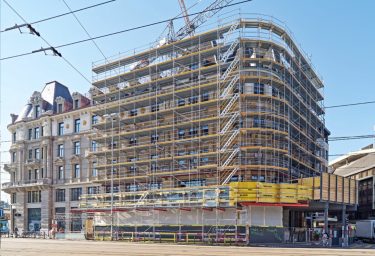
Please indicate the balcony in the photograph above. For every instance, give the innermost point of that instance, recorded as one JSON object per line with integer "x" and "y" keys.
{"x": 19, "y": 185}
{"x": 33, "y": 162}
{"x": 10, "y": 167}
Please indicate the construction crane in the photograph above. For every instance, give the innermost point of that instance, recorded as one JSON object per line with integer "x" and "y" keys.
{"x": 198, "y": 20}
{"x": 188, "y": 29}
{"x": 202, "y": 17}
{"x": 184, "y": 11}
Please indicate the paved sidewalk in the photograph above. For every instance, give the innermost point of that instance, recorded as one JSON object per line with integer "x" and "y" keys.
{"x": 41, "y": 247}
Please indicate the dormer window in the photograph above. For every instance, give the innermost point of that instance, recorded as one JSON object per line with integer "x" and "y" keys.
{"x": 76, "y": 104}
{"x": 37, "y": 111}
{"x": 60, "y": 108}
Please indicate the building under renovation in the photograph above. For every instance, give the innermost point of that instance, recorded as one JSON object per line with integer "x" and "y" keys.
{"x": 222, "y": 128}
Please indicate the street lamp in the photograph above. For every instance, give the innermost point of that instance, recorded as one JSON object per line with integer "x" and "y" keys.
{"x": 112, "y": 117}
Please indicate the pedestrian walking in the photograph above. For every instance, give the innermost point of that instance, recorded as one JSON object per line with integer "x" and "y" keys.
{"x": 325, "y": 239}
{"x": 16, "y": 232}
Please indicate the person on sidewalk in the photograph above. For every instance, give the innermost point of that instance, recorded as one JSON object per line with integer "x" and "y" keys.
{"x": 16, "y": 232}
{"x": 325, "y": 239}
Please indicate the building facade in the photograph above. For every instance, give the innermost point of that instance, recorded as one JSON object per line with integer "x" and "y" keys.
{"x": 49, "y": 169}
{"x": 184, "y": 124}
{"x": 360, "y": 166}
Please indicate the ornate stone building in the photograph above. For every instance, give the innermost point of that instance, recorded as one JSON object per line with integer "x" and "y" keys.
{"x": 48, "y": 168}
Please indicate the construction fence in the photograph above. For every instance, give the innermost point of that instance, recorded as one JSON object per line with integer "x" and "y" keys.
{"x": 225, "y": 235}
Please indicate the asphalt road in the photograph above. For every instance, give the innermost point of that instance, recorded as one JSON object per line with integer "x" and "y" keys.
{"x": 36, "y": 247}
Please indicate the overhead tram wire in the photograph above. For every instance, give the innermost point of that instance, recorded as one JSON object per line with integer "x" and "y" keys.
{"x": 150, "y": 24}
{"x": 127, "y": 30}
{"x": 350, "y": 104}
{"x": 87, "y": 33}
{"x": 57, "y": 16}
{"x": 354, "y": 137}
{"x": 181, "y": 13}
{"x": 51, "y": 47}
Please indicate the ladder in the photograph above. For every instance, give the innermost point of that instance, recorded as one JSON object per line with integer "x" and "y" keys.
{"x": 231, "y": 84}
{"x": 232, "y": 65}
{"x": 224, "y": 57}
{"x": 143, "y": 197}
{"x": 229, "y": 141}
{"x": 229, "y": 105}
{"x": 230, "y": 32}
{"x": 230, "y": 176}
{"x": 229, "y": 123}
{"x": 230, "y": 157}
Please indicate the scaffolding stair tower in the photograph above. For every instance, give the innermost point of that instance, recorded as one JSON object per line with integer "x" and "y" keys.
{"x": 227, "y": 179}
{"x": 224, "y": 57}
{"x": 231, "y": 67}
{"x": 142, "y": 198}
{"x": 229, "y": 141}
{"x": 228, "y": 149}
{"x": 230, "y": 86}
{"x": 230, "y": 32}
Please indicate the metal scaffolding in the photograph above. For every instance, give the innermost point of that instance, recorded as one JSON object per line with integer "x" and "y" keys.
{"x": 237, "y": 103}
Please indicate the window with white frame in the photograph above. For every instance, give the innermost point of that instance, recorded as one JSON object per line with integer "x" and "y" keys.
{"x": 60, "y": 172}
{"x": 77, "y": 125}
{"x": 76, "y": 171}
{"x": 60, "y": 129}
{"x": 60, "y": 150}
{"x": 77, "y": 147}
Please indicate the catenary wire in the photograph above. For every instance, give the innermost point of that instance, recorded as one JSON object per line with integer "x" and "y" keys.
{"x": 92, "y": 39}
{"x": 355, "y": 137}
{"x": 176, "y": 17}
{"x": 350, "y": 104}
{"x": 63, "y": 14}
{"x": 149, "y": 25}
{"x": 126, "y": 30}
{"x": 68, "y": 62}
{"x": 87, "y": 33}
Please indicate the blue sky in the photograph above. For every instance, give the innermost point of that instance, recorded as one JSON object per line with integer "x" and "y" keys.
{"x": 339, "y": 36}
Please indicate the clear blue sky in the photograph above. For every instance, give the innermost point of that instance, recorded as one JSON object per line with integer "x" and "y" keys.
{"x": 339, "y": 35}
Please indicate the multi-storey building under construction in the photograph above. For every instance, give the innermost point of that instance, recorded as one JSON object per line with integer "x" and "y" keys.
{"x": 186, "y": 125}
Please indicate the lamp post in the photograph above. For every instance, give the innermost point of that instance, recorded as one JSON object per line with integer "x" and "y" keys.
{"x": 112, "y": 117}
